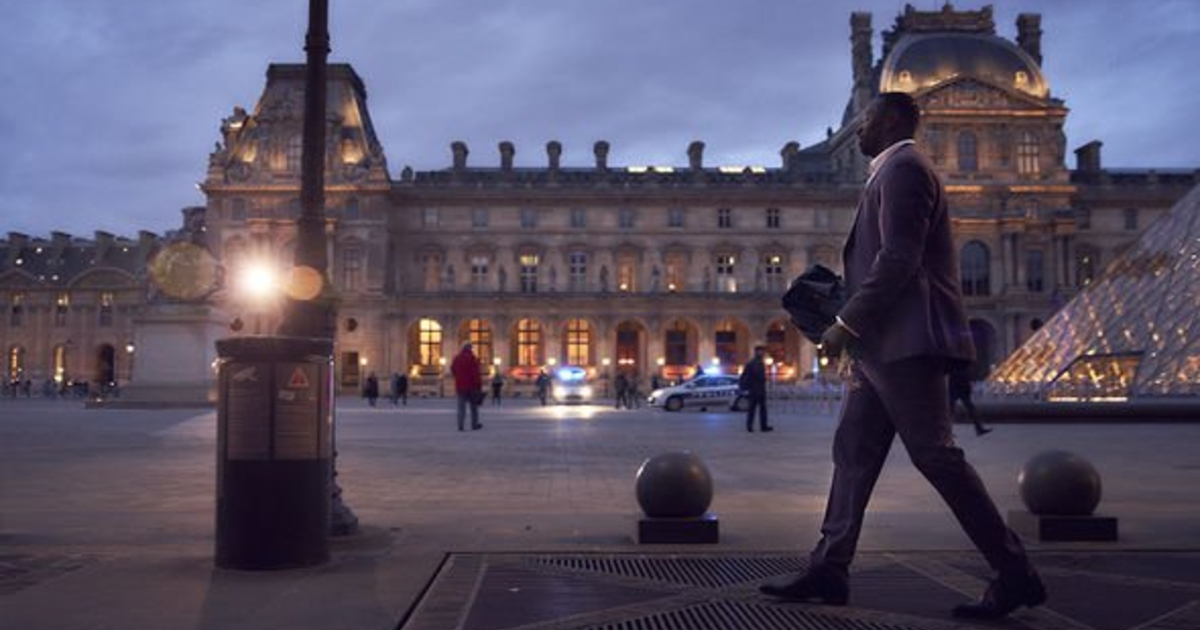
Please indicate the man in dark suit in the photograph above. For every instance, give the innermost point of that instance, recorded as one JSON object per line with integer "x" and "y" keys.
{"x": 903, "y": 325}
{"x": 753, "y": 381}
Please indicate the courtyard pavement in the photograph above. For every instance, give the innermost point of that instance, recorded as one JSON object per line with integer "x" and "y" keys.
{"x": 107, "y": 516}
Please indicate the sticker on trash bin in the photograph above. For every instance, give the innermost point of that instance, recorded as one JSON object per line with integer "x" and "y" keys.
{"x": 247, "y": 412}
{"x": 299, "y": 379}
{"x": 298, "y": 412}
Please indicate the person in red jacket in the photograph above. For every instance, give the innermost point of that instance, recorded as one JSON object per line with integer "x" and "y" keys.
{"x": 468, "y": 386}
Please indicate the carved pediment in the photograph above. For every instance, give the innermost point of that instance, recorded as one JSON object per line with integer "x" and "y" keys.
{"x": 18, "y": 279}
{"x": 103, "y": 279}
{"x": 966, "y": 93}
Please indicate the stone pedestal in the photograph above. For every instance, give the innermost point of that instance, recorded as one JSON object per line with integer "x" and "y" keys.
{"x": 174, "y": 351}
{"x": 703, "y": 530}
{"x": 1051, "y": 528}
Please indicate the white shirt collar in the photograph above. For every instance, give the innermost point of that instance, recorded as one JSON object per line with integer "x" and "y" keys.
{"x": 878, "y": 161}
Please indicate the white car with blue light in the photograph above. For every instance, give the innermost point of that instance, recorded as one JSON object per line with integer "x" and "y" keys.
{"x": 569, "y": 385}
{"x": 708, "y": 392}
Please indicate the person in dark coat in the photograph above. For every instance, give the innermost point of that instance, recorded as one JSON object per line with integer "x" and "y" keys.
{"x": 621, "y": 384}
{"x": 497, "y": 388}
{"x": 542, "y": 382}
{"x": 753, "y": 381}
{"x": 960, "y": 390}
{"x": 902, "y": 324}
{"x": 468, "y": 386}
{"x": 371, "y": 389}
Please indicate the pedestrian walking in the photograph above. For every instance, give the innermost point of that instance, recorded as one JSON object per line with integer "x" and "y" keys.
{"x": 371, "y": 389}
{"x": 753, "y": 382}
{"x": 960, "y": 391}
{"x": 621, "y": 385}
{"x": 902, "y": 324}
{"x": 497, "y": 388}
{"x": 468, "y": 386}
{"x": 542, "y": 382}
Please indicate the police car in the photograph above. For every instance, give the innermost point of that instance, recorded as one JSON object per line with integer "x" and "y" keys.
{"x": 704, "y": 392}
{"x": 569, "y": 385}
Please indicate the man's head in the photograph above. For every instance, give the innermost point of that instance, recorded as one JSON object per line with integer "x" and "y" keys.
{"x": 467, "y": 347}
{"x": 760, "y": 351}
{"x": 891, "y": 117}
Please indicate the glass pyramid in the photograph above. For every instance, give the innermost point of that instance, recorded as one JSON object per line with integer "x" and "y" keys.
{"x": 1134, "y": 332}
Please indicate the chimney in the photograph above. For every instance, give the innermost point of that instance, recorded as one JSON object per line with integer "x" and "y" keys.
{"x": 16, "y": 244}
{"x": 104, "y": 242}
{"x": 1087, "y": 157}
{"x": 459, "y": 149}
{"x": 506, "y": 155}
{"x": 789, "y": 152}
{"x": 601, "y": 151}
{"x": 1029, "y": 35}
{"x": 862, "y": 58}
{"x": 147, "y": 242}
{"x": 554, "y": 152}
{"x": 695, "y": 153}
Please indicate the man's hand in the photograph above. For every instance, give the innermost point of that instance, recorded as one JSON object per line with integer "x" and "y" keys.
{"x": 836, "y": 339}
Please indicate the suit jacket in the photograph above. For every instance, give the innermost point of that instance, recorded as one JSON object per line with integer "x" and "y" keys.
{"x": 754, "y": 378}
{"x": 901, "y": 268}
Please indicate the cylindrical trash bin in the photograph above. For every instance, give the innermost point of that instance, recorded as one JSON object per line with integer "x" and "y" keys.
{"x": 273, "y": 452}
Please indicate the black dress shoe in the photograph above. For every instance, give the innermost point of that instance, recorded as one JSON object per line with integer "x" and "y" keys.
{"x": 1003, "y": 597}
{"x": 476, "y": 427}
{"x": 806, "y": 587}
{"x": 767, "y": 429}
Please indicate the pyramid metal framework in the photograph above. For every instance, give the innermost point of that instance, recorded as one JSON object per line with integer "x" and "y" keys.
{"x": 1132, "y": 333}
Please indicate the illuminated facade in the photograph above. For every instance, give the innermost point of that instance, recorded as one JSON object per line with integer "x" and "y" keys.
{"x": 1133, "y": 332}
{"x": 656, "y": 269}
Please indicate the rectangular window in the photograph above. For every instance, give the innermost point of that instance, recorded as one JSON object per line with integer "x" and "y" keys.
{"x": 350, "y": 369}
{"x": 578, "y": 218}
{"x": 106, "y": 309}
{"x": 16, "y": 313}
{"x": 1034, "y": 270}
{"x": 529, "y": 273}
{"x": 1028, "y": 154}
{"x": 724, "y": 218}
{"x": 577, "y": 271}
{"x": 675, "y": 217}
{"x": 626, "y": 218}
{"x": 676, "y": 343}
{"x": 61, "y": 305}
{"x": 674, "y": 275}
{"x": 479, "y": 218}
{"x": 773, "y": 268}
{"x": 429, "y": 217}
{"x": 1131, "y": 218}
{"x": 625, "y": 276}
{"x": 726, "y": 281}
{"x": 528, "y": 218}
{"x": 352, "y": 269}
{"x": 773, "y": 220}
{"x": 431, "y": 271}
{"x": 479, "y": 273}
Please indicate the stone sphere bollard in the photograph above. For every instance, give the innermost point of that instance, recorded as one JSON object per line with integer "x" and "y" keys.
{"x": 1058, "y": 483}
{"x": 674, "y": 485}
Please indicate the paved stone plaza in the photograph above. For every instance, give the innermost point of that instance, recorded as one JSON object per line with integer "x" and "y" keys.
{"x": 106, "y": 516}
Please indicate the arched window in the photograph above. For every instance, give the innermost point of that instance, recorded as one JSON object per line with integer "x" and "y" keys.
{"x": 529, "y": 342}
{"x": 1028, "y": 154}
{"x": 479, "y": 333}
{"x": 430, "y": 342}
{"x": 975, "y": 262}
{"x": 968, "y": 152}
{"x": 16, "y": 363}
{"x": 579, "y": 342}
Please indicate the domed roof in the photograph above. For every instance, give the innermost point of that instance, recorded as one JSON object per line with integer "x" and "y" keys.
{"x": 922, "y": 60}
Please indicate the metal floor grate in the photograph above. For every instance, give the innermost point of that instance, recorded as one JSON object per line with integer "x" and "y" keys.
{"x": 707, "y": 571}
{"x": 709, "y": 591}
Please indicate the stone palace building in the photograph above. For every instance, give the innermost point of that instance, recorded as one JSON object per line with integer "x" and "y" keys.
{"x": 650, "y": 269}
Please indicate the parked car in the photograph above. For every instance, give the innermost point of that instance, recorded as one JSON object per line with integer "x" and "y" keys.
{"x": 704, "y": 392}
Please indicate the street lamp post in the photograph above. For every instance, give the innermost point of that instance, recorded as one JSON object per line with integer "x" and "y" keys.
{"x": 316, "y": 317}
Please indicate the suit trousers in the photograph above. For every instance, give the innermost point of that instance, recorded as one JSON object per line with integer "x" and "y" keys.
{"x": 908, "y": 398}
{"x": 760, "y": 403}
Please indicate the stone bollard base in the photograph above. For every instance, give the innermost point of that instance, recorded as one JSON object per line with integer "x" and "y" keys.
{"x": 704, "y": 530}
{"x": 1051, "y": 528}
